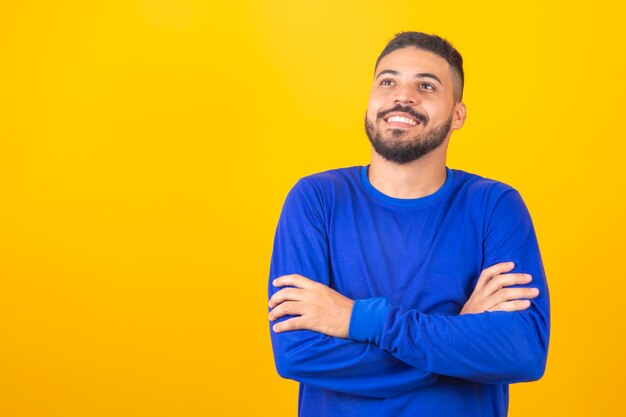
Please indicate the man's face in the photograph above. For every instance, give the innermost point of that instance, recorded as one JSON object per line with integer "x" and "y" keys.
{"x": 411, "y": 109}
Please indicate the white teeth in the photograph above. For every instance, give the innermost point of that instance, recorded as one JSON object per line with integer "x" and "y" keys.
{"x": 402, "y": 119}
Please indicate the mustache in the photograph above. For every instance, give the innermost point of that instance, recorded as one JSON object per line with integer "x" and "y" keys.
{"x": 420, "y": 117}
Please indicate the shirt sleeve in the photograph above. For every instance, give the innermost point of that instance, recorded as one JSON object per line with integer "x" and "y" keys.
{"x": 347, "y": 366}
{"x": 490, "y": 347}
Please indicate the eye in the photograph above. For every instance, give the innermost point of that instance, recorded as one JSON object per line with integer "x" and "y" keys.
{"x": 427, "y": 86}
{"x": 387, "y": 81}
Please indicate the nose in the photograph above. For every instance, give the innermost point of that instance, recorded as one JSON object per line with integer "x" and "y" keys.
{"x": 406, "y": 95}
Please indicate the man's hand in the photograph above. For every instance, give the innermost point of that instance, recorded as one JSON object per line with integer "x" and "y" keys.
{"x": 492, "y": 292}
{"x": 317, "y": 307}
{"x": 322, "y": 309}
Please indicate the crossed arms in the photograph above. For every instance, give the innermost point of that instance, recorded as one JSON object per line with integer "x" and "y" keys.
{"x": 320, "y": 308}
{"x": 374, "y": 348}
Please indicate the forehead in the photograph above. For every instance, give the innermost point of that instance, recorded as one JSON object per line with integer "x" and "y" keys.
{"x": 410, "y": 60}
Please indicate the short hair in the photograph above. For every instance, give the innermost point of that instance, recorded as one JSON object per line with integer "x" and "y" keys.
{"x": 434, "y": 44}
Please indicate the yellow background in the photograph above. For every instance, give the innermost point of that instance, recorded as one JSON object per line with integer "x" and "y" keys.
{"x": 146, "y": 148}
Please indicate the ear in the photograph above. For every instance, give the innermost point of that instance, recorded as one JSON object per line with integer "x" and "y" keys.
{"x": 458, "y": 116}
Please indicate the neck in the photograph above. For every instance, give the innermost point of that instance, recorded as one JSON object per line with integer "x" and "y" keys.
{"x": 416, "y": 179}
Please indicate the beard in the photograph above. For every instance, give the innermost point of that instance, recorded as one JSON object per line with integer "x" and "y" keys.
{"x": 403, "y": 151}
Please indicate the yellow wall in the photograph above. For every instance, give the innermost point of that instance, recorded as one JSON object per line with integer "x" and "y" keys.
{"x": 146, "y": 148}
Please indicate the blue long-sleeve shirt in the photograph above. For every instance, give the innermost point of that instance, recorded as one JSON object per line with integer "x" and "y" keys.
{"x": 411, "y": 265}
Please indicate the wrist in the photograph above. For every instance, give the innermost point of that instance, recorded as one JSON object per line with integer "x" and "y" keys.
{"x": 344, "y": 323}
{"x": 368, "y": 320}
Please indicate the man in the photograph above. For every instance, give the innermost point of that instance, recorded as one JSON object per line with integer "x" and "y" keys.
{"x": 403, "y": 288}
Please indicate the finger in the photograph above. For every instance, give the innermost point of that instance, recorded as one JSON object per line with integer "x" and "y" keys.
{"x": 509, "y": 294}
{"x": 506, "y": 280}
{"x": 515, "y": 305}
{"x": 488, "y": 273}
{"x": 295, "y": 323}
{"x": 288, "y": 308}
{"x": 293, "y": 280}
{"x": 286, "y": 294}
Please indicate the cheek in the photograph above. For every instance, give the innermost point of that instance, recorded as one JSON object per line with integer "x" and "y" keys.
{"x": 436, "y": 111}
{"x": 370, "y": 113}
{"x": 375, "y": 104}
{"x": 372, "y": 109}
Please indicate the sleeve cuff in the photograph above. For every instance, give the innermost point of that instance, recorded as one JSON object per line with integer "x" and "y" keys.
{"x": 368, "y": 320}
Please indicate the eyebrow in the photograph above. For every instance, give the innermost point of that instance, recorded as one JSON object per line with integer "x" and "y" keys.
{"x": 418, "y": 75}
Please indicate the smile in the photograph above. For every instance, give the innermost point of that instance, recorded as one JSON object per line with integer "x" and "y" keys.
{"x": 401, "y": 121}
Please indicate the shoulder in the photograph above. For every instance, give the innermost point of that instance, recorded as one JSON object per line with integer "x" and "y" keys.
{"x": 320, "y": 190}
{"x": 333, "y": 177}
{"x": 326, "y": 184}
{"x": 483, "y": 191}
{"x": 497, "y": 206}
{"x": 489, "y": 202}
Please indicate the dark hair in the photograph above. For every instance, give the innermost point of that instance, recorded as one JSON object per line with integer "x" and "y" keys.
{"x": 434, "y": 44}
